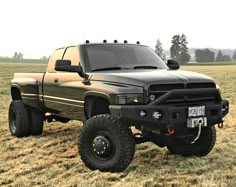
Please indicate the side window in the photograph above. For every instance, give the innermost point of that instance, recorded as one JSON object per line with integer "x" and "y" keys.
{"x": 72, "y": 53}
{"x": 56, "y": 56}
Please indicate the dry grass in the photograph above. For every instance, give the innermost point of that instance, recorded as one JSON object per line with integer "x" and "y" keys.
{"x": 52, "y": 159}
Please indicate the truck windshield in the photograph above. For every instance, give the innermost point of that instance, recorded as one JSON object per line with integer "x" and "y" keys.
{"x": 103, "y": 57}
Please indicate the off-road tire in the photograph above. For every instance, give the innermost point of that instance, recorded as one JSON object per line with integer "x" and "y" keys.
{"x": 36, "y": 121}
{"x": 122, "y": 141}
{"x": 201, "y": 147}
{"x": 18, "y": 117}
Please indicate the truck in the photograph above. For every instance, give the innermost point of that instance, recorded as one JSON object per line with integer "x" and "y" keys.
{"x": 124, "y": 94}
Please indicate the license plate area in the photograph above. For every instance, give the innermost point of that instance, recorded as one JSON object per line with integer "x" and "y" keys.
{"x": 196, "y": 111}
{"x": 196, "y": 122}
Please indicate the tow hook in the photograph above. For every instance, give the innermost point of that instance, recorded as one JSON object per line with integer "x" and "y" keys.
{"x": 171, "y": 131}
{"x": 221, "y": 125}
{"x": 198, "y": 134}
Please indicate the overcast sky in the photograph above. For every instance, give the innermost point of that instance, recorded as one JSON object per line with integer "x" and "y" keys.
{"x": 37, "y": 27}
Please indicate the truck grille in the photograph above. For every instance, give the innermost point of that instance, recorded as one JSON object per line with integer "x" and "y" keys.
{"x": 201, "y": 85}
{"x": 160, "y": 89}
{"x": 165, "y": 87}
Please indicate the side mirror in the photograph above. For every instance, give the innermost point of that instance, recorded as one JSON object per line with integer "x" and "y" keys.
{"x": 65, "y": 65}
{"x": 173, "y": 64}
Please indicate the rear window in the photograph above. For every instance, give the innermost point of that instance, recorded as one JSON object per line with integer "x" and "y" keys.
{"x": 57, "y": 55}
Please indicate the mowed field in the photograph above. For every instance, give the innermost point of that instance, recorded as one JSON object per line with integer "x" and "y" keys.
{"x": 52, "y": 159}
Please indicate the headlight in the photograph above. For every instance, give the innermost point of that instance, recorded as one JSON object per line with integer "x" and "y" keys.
{"x": 129, "y": 99}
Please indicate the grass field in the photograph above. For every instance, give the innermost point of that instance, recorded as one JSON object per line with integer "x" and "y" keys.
{"x": 23, "y": 61}
{"x": 52, "y": 159}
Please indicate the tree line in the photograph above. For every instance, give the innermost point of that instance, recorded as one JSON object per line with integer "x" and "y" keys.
{"x": 18, "y": 55}
{"x": 179, "y": 51}
{"x": 206, "y": 55}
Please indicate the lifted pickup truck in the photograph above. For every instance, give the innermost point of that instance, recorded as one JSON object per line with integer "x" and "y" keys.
{"x": 112, "y": 87}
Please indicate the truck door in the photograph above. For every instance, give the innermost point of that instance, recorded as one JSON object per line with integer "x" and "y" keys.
{"x": 63, "y": 91}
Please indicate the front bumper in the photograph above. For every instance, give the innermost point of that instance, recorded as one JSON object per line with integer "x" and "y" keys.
{"x": 172, "y": 115}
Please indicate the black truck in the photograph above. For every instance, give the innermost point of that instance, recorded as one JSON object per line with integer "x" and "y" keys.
{"x": 114, "y": 88}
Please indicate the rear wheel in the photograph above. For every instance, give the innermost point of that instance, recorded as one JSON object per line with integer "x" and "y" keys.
{"x": 201, "y": 147}
{"x": 36, "y": 121}
{"x": 18, "y": 117}
{"x": 106, "y": 144}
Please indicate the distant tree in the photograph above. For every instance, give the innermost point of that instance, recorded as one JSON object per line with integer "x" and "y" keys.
{"x": 234, "y": 55}
{"x": 175, "y": 47}
{"x": 184, "y": 55}
{"x": 222, "y": 58}
{"x": 44, "y": 58}
{"x": 179, "y": 49}
{"x": 210, "y": 55}
{"x": 159, "y": 49}
{"x": 226, "y": 58}
{"x": 164, "y": 57}
{"x": 15, "y": 55}
{"x": 204, "y": 55}
{"x": 18, "y": 55}
{"x": 219, "y": 56}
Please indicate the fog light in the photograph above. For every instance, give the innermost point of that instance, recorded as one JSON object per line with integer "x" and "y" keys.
{"x": 142, "y": 113}
{"x": 152, "y": 97}
{"x": 156, "y": 115}
{"x": 224, "y": 108}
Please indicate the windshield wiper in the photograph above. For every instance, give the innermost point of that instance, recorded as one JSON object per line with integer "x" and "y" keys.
{"x": 146, "y": 67}
{"x": 110, "y": 68}
{"x": 120, "y": 68}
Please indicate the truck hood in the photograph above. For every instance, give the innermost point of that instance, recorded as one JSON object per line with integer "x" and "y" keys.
{"x": 148, "y": 77}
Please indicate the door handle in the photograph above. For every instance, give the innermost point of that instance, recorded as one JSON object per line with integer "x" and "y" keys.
{"x": 56, "y": 80}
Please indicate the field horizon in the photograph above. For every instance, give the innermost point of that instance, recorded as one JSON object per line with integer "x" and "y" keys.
{"x": 52, "y": 158}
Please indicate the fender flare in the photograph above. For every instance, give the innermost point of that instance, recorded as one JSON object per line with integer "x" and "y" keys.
{"x": 97, "y": 94}
{"x": 87, "y": 104}
{"x": 15, "y": 86}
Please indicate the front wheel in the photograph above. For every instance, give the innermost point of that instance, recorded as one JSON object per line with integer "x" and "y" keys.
{"x": 106, "y": 144}
{"x": 201, "y": 147}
